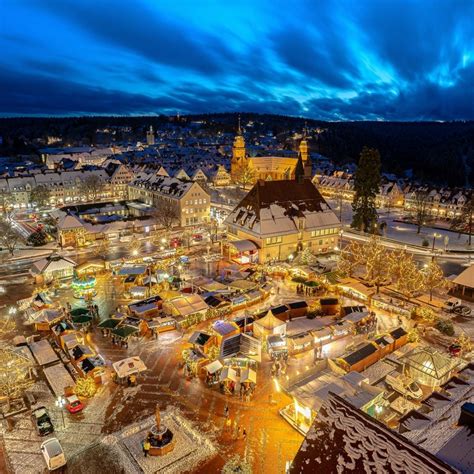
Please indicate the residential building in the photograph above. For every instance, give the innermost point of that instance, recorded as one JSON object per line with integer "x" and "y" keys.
{"x": 191, "y": 200}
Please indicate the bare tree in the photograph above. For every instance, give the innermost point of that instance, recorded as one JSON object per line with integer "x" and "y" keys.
{"x": 9, "y": 237}
{"x": 92, "y": 186}
{"x": 167, "y": 214}
{"x": 5, "y": 203}
{"x": 465, "y": 221}
{"x": 421, "y": 211}
{"x": 40, "y": 195}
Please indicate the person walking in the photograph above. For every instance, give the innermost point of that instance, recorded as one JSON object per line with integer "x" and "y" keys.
{"x": 146, "y": 447}
{"x": 244, "y": 434}
{"x": 226, "y": 411}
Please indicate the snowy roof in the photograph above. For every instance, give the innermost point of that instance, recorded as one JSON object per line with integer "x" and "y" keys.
{"x": 52, "y": 263}
{"x": 276, "y": 207}
{"x": 269, "y": 321}
{"x": 466, "y": 278}
{"x": 345, "y": 439}
{"x": 129, "y": 366}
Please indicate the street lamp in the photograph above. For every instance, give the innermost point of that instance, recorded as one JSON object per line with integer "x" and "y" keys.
{"x": 435, "y": 236}
{"x": 60, "y": 402}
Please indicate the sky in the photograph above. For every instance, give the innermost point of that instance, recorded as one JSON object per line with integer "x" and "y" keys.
{"x": 328, "y": 60}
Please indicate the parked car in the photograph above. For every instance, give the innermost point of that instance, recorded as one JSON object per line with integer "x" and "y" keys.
{"x": 451, "y": 304}
{"x": 53, "y": 454}
{"x": 41, "y": 421}
{"x": 197, "y": 237}
{"x": 74, "y": 405}
{"x": 455, "y": 350}
{"x": 405, "y": 386}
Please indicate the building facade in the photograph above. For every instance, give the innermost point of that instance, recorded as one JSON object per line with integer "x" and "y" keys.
{"x": 278, "y": 219}
{"x": 192, "y": 202}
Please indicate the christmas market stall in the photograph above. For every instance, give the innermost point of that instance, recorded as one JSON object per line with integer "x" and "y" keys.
{"x": 268, "y": 325}
{"x": 122, "y": 334}
{"x": 45, "y": 319}
{"x": 228, "y": 379}
{"x": 213, "y": 371}
{"x": 107, "y": 325}
{"x": 52, "y": 267}
{"x": 248, "y": 382}
{"x": 148, "y": 308}
{"x": 126, "y": 370}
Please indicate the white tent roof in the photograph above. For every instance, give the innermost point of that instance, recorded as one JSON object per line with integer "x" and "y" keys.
{"x": 228, "y": 373}
{"x": 52, "y": 263}
{"x": 248, "y": 375}
{"x": 466, "y": 278}
{"x": 269, "y": 322}
{"x": 213, "y": 367}
{"x": 129, "y": 366}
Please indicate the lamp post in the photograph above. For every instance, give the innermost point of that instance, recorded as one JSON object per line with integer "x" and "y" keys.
{"x": 60, "y": 402}
{"x": 435, "y": 236}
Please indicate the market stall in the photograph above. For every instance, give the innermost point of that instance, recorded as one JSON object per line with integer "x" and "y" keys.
{"x": 268, "y": 325}
{"x": 228, "y": 379}
{"x": 127, "y": 369}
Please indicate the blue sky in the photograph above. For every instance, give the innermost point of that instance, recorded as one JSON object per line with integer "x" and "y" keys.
{"x": 329, "y": 60}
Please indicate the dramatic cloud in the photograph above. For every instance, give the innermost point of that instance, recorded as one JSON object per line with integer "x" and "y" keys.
{"x": 345, "y": 60}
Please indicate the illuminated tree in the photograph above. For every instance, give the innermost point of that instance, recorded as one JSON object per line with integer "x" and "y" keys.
{"x": 426, "y": 315}
{"x": 465, "y": 342}
{"x": 375, "y": 258}
{"x": 245, "y": 176}
{"x": 102, "y": 248}
{"x": 367, "y": 181}
{"x": 85, "y": 387}
{"x": 134, "y": 247}
{"x": 433, "y": 277}
{"x": 350, "y": 258}
{"x": 15, "y": 374}
{"x": 404, "y": 271}
{"x": 413, "y": 335}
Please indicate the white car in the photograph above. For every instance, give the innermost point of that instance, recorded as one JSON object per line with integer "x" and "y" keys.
{"x": 53, "y": 454}
{"x": 405, "y": 386}
{"x": 451, "y": 304}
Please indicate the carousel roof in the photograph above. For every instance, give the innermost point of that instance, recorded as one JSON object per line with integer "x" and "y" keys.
{"x": 431, "y": 362}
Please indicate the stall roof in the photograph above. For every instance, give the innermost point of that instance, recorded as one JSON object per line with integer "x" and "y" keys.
{"x": 43, "y": 352}
{"x": 248, "y": 375}
{"x": 189, "y": 304}
{"x": 58, "y": 378}
{"x": 356, "y": 316}
{"x": 136, "y": 270}
{"x": 303, "y": 325}
{"x": 269, "y": 321}
{"x": 228, "y": 373}
{"x": 110, "y": 323}
{"x": 198, "y": 337}
{"x": 224, "y": 327}
{"x": 466, "y": 278}
{"x": 129, "y": 366}
{"x": 244, "y": 245}
{"x": 213, "y": 367}
{"x": 360, "y": 354}
{"x": 298, "y": 304}
{"x": 124, "y": 331}
{"x": 243, "y": 285}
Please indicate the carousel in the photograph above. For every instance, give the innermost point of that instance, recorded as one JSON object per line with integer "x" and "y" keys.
{"x": 83, "y": 286}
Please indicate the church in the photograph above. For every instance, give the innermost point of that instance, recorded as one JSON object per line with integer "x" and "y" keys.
{"x": 248, "y": 170}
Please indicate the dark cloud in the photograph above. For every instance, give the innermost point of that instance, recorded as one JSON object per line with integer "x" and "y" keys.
{"x": 370, "y": 59}
{"x": 136, "y": 27}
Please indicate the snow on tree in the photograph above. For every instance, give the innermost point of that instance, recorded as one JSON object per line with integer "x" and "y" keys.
{"x": 404, "y": 271}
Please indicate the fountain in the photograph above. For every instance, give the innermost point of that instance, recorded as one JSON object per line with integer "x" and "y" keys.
{"x": 160, "y": 437}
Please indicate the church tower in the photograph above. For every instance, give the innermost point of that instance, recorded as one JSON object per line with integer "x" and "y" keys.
{"x": 150, "y": 136}
{"x": 239, "y": 158}
{"x": 304, "y": 153}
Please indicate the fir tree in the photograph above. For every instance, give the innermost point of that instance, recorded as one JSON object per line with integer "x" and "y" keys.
{"x": 366, "y": 186}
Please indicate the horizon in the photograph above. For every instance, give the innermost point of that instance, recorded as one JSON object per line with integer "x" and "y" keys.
{"x": 405, "y": 61}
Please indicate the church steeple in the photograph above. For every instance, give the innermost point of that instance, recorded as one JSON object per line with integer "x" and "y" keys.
{"x": 238, "y": 153}
{"x": 299, "y": 170}
{"x": 304, "y": 153}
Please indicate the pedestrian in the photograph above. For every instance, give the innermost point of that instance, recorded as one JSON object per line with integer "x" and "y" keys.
{"x": 226, "y": 411}
{"x": 146, "y": 447}
{"x": 244, "y": 434}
